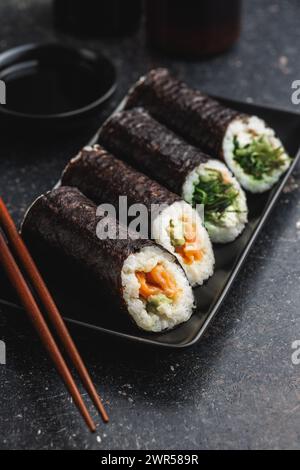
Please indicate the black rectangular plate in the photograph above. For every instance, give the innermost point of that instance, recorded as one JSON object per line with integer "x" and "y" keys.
{"x": 73, "y": 301}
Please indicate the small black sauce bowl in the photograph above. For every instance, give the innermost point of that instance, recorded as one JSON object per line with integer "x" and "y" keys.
{"x": 52, "y": 86}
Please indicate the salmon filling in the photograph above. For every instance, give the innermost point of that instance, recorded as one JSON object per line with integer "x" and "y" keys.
{"x": 157, "y": 281}
{"x": 187, "y": 245}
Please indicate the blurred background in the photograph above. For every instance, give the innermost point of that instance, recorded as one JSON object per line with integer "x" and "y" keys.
{"x": 264, "y": 57}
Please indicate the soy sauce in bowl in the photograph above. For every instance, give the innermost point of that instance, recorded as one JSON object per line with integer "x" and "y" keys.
{"x": 54, "y": 83}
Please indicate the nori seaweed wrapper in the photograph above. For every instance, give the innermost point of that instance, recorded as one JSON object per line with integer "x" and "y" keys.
{"x": 151, "y": 147}
{"x": 64, "y": 221}
{"x": 197, "y": 117}
{"x": 104, "y": 178}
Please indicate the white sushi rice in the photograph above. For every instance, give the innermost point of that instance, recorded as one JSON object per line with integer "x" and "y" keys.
{"x": 245, "y": 130}
{"x": 198, "y": 271}
{"x": 234, "y": 218}
{"x": 168, "y": 315}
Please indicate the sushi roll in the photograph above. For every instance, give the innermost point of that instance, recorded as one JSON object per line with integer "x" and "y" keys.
{"x": 144, "y": 279}
{"x": 198, "y": 179}
{"x": 249, "y": 147}
{"x": 173, "y": 223}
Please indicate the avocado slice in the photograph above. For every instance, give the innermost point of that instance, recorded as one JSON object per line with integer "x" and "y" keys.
{"x": 154, "y": 301}
{"x": 176, "y": 233}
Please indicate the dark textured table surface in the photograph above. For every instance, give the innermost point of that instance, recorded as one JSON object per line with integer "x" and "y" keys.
{"x": 238, "y": 388}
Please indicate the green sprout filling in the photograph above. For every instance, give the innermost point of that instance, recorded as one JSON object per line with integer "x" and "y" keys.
{"x": 258, "y": 158}
{"x": 215, "y": 194}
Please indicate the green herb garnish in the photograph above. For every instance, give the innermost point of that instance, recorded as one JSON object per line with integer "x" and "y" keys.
{"x": 258, "y": 158}
{"x": 215, "y": 194}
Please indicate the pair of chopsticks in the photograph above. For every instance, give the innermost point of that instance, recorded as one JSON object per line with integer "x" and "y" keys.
{"x": 14, "y": 242}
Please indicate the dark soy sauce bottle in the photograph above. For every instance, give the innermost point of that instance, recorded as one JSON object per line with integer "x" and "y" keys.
{"x": 193, "y": 28}
{"x": 97, "y": 18}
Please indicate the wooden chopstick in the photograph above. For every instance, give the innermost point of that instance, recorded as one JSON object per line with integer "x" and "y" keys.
{"x": 17, "y": 280}
{"x": 39, "y": 285}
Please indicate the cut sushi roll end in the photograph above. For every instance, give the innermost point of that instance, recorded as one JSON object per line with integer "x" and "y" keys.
{"x": 179, "y": 229}
{"x": 254, "y": 154}
{"x": 225, "y": 206}
{"x": 156, "y": 291}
